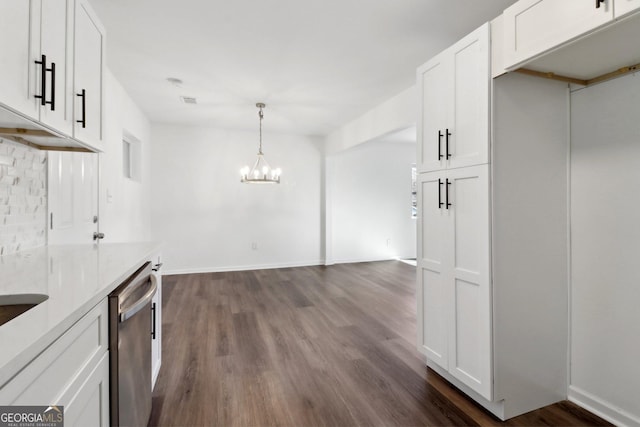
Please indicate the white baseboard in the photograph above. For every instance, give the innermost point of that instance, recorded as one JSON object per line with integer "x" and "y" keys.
{"x": 221, "y": 269}
{"x": 602, "y": 408}
{"x": 364, "y": 259}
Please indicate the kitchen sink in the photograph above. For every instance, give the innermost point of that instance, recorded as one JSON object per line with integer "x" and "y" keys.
{"x": 12, "y": 306}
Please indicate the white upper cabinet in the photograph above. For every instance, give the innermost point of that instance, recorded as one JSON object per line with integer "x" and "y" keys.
{"x": 18, "y": 70}
{"x": 50, "y": 51}
{"x": 34, "y": 46}
{"x": 54, "y": 37}
{"x": 587, "y": 41}
{"x": 435, "y": 103}
{"x": 533, "y": 27}
{"x": 622, "y": 7}
{"x": 453, "y": 129}
{"x": 88, "y": 75}
{"x": 469, "y": 117}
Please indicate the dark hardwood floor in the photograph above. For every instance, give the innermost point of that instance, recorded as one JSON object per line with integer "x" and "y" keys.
{"x": 309, "y": 346}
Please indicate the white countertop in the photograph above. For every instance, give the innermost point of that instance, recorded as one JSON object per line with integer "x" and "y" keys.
{"x": 75, "y": 277}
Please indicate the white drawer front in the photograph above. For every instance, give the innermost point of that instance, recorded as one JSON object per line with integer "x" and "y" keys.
{"x": 43, "y": 381}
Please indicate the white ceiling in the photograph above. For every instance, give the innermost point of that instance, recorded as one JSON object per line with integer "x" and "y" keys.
{"x": 316, "y": 64}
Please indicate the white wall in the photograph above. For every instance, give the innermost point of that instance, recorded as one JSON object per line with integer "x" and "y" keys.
{"x": 362, "y": 212}
{"x": 125, "y": 213}
{"x": 398, "y": 112}
{"x": 370, "y": 190}
{"x": 208, "y": 219}
{"x": 605, "y": 285}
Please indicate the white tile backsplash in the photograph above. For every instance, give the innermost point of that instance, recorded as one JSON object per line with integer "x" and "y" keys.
{"x": 23, "y": 197}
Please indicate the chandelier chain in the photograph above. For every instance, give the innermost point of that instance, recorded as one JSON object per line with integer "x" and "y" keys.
{"x": 261, "y": 115}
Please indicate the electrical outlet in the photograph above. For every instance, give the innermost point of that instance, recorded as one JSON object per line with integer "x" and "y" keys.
{"x": 388, "y": 242}
{"x": 254, "y": 246}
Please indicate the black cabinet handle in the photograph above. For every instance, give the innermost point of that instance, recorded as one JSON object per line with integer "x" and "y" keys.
{"x": 83, "y": 95}
{"x": 598, "y": 3}
{"x": 53, "y": 86}
{"x": 448, "y": 183}
{"x": 440, "y": 194}
{"x": 153, "y": 320}
{"x": 447, "y": 143}
{"x": 439, "y": 144}
{"x": 43, "y": 83}
{"x": 43, "y": 80}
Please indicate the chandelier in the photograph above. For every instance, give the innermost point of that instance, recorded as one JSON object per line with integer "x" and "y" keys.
{"x": 261, "y": 172}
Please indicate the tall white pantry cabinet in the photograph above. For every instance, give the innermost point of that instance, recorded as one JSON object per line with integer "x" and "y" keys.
{"x": 493, "y": 229}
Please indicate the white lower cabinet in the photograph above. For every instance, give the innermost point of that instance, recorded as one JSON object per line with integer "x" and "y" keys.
{"x": 492, "y": 279}
{"x": 156, "y": 321}
{"x": 89, "y": 403}
{"x": 72, "y": 372}
{"x": 455, "y": 296}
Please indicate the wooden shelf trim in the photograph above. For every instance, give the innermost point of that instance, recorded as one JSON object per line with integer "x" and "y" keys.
{"x": 599, "y": 79}
{"x": 20, "y": 136}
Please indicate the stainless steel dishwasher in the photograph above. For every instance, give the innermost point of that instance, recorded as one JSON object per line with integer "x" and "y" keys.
{"x": 130, "y": 349}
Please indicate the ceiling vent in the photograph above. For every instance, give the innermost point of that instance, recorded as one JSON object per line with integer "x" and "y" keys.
{"x": 175, "y": 82}
{"x": 188, "y": 100}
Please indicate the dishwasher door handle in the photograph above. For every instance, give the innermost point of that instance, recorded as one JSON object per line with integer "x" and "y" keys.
{"x": 144, "y": 300}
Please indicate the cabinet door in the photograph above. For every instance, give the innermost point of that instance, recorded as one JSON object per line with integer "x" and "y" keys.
{"x": 468, "y": 143}
{"x": 533, "y": 27}
{"x": 20, "y": 19}
{"x": 55, "y": 33}
{"x": 156, "y": 324}
{"x": 433, "y": 89}
{"x": 88, "y": 76}
{"x": 434, "y": 228}
{"x": 622, "y": 7}
{"x": 470, "y": 294}
{"x": 89, "y": 406}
